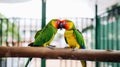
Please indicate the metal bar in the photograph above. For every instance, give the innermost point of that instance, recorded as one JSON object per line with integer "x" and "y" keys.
{"x": 105, "y": 34}
{"x": 0, "y": 32}
{"x": 101, "y": 33}
{"x": 1, "y": 22}
{"x": 97, "y": 27}
{"x": 43, "y": 13}
{"x": 30, "y": 26}
{"x": 117, "y": 31}
{"x": 18, "y": 21}
{"x": 97, "y": 30}
{"x": 43, "y": 61}
{"x": 13, "y": 31}
{"x": 7, "y": 32}
{"x": 24, "y": 20}
{"x": 61, "y": 53}
{"x": 107, "y": 40}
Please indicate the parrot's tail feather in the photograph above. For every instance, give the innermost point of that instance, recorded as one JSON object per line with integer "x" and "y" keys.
{"x": 31, "y": 44}
{"x": 83, "y": 63}
{"x": 29, "y": 59}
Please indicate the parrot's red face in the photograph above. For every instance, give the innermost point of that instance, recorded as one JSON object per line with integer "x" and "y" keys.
{"x": 56, "y": 23}
{"x": 67, "y": 24}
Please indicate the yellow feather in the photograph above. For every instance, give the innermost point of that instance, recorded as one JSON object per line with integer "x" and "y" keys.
{"x": 71, "y": 40}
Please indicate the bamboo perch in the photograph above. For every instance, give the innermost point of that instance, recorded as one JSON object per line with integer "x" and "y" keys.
{"x": 61, "y": 53}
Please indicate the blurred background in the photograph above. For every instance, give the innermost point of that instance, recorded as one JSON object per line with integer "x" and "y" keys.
{"x": 98, "y": 20}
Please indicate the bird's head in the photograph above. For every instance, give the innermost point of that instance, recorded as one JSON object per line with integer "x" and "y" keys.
{"x": 68, "y": 24}
{"x": 56, "y": 23}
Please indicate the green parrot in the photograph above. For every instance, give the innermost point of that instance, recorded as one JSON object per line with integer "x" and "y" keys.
{"x": 73, "y": 37}
{"x": 44, "y": 37}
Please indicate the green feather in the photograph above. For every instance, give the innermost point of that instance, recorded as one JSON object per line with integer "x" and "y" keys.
{"x": 44, "y": 36}
{"x": 79, "y": 38}
{"x": 29, "y": 59}
{"x": 36, "y": 35}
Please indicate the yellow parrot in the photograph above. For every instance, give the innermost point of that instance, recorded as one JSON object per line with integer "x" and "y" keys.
{"x": 73, "y": 37}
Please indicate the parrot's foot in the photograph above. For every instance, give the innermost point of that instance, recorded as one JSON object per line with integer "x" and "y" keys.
{"x": 75, "y": 49}
{"x": 51, "y": 46}
{"x": 66, "y": 47}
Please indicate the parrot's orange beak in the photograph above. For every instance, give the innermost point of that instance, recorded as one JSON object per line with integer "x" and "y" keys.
{"x": 60, "y": 26}
{"x": 63, "y": 22}
{"x": 66, "y": 24}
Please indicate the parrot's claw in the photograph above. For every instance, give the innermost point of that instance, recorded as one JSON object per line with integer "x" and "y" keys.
{"x": 74, "y": 49}
{"x": 51, "y": 46}
{"x": 66, "y": 47}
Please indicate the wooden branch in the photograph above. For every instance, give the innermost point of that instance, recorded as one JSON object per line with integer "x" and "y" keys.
{"x": 61, "y": 53}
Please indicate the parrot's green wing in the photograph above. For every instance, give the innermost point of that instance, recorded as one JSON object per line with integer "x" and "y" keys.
{"x": 79, "y": 38}
{"x": 37, "y": 33}
{"x": 45, "y": 36}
